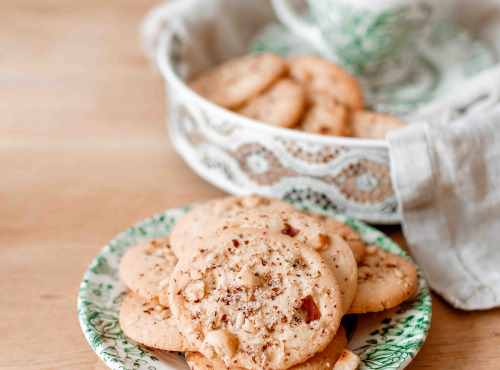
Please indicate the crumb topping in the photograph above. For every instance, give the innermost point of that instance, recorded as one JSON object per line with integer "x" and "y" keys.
{"x": 264, "y": 300}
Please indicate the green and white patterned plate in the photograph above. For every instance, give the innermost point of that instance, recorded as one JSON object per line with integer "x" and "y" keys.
{"x": 386, "y": 340}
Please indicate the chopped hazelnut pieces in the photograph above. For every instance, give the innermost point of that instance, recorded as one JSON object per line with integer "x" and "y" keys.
{"x": 247, "y": 279}
{"x": 252, "y": 201}
{"x": 310, "y": 308}
{"x": 290, "y": 231}
{"x": 194, "y": 291}
{"x": 324, "y": 240}
{"x": 223, "y": 342}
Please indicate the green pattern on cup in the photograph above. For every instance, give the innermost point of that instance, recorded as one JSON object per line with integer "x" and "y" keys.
{"x": 371, "y": 44}
{"x": 447, "y": 58}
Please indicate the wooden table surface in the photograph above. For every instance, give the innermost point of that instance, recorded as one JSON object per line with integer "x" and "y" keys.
{"x": 84, "y": 153}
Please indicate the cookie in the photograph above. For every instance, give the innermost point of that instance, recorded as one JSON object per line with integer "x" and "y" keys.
{"x": 314, "y": 234}
{"x": 385, "y": 280}
{"x": 283, "y": 104}
{"x": 151, "y": 324}
{"x": 320, "y": 75}
{"x": 323, "y": 360}
{"x": 233, "y": 83}
{"x": 256, "y": 299}
{"x": 205, "y": 218}
{"x": 347, "y": 361}
{"x": 325, "y": 116}
{"x": 371, "y": 125}
{"x": 346, "y": 232}
{"x": 146, "y": 268}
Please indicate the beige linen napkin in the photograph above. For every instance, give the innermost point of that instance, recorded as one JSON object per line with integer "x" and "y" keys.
{"x": 446, "y": 174}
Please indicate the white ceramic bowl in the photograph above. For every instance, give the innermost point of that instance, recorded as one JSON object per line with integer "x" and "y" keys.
{"x": 241, "y": 155}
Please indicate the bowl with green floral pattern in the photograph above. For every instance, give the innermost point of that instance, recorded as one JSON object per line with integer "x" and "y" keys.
{"x": 384, "y": 340}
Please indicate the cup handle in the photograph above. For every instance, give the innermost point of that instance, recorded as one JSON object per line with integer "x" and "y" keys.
{"x": 288, "y": 16}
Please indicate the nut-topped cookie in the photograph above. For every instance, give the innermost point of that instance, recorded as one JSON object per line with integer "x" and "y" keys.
{"x": 347, "y": 361}
{"x": 151, "y": 324}
{"x": 233, "y": 83}
{"x": 347, "y": 233}
{"x": 372, "y": 125}
{"x": 312, "y": 232}
{"x": 385, "y": 280}
{"x": 283, "y": 104}
{"x": 256, "y": 299}
{"x": 146, "y": 267}
{"x": 325, "y": 116}
{"x": 320, "y": 75}
{"x": 204, "y": 219}
{"x": 322, "y": 360}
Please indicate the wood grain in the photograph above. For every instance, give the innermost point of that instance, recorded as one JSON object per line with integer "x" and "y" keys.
{"x": 84, "y": 154}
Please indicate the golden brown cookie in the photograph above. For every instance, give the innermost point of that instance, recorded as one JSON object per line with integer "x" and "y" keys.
{"x": 151, "y": 324}
{"x": 347, "y": 361}
{"x": 372, "y": 125}
{"x": 283, "y": 104}
{"x": 233, "y": 83}
{"x": 323, "y": 360}
{"x": 205, "y": 218}
{"x": 146, "y": 267}
{"x": 347, "y": 233}
{"x": 311, "y": 232}
{"x": 319, "y": 75}
{"x": 325, "y": 116}
{"x": 255, "y": 299}
{"x": 385, "y": 280}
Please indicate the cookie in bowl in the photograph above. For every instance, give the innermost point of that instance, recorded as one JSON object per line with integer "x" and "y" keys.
{"x": 308, "y": 93}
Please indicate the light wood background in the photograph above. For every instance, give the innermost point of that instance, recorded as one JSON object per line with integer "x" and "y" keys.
{"x": 84, "y": 154}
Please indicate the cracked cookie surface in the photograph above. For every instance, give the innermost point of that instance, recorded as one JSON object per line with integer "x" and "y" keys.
{"x": 146, "y": 267}
{"x": 234, "y": 82}
{"x": 385, "y": 280}
{"x": 314, "y": 233}
{"x": 346, "y": 232}
{"x": 322, "y": 360}
{"x": 151, "y": 324}
{"x": 320, "y": 75}
{"x": 203, "y": 220}
{"x": 283, "y": 104}
{"x": 256, "y": 299}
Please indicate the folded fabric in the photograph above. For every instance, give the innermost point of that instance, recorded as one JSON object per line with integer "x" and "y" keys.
{"x": 446, "y": 175}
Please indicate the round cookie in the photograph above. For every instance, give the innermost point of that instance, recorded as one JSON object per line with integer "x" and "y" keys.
{"x": 347, "y": 361}
{"x": 151, "y": 324}
{"x": 385, "y": 280}
{"x": 325, "y": 116}
{"x": 146, "y": 267}
{"x": 314, "y": 234}
{"x": 283, "y": 104}
{"x": 318, "y": 74}
{"x": 256, "y": 299}
{"x": 204, "y": 219}
{"x": 347, "y": 233}
{"x": 372, "y": 125}
{"x": 233, "y": 83}
{"x": 323, "y": 360}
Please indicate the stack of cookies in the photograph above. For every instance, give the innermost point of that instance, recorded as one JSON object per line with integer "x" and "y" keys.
{"x": 308, "y": 93}
{"x": 252, "y": 283}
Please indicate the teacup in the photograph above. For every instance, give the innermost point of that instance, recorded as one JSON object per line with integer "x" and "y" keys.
{"x": 374, "y": 39}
